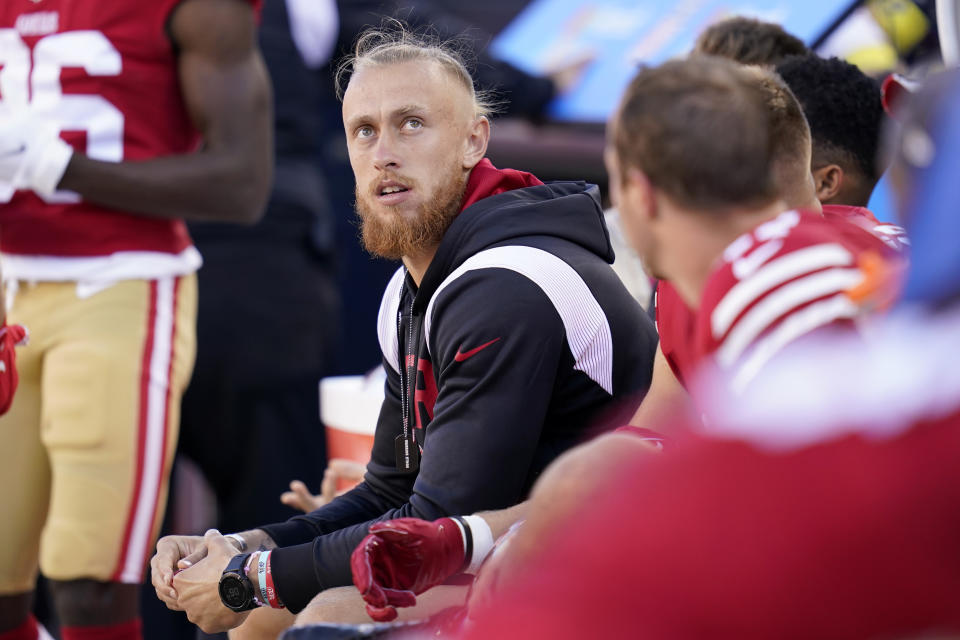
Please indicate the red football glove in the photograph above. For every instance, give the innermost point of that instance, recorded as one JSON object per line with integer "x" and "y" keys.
{"x": 402, "y": 558}
{"x": 10, "y": 337}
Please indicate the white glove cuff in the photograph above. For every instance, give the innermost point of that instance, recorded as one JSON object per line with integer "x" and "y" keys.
{"x": 50, "y": 165}
{"x": 482, "y": 542}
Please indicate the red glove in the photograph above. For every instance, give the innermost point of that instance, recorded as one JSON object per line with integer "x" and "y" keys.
{"x": 402, "y": 558}
{"x": 10, "y": 337}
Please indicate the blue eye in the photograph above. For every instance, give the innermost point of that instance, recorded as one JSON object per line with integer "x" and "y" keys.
{"x": 364, "y": 132}
{"x": 413, "y": 123}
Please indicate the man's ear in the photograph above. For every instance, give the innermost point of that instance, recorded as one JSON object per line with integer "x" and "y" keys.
{"x": 476, "y": 143}
{"x": 828, "y": 180}
{"x": 638, "y": 189}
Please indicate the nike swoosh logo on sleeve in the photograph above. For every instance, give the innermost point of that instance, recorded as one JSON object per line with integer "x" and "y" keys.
{"x": 463, "y": 355}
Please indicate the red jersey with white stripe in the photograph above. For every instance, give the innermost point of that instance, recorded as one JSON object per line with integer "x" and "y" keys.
{"x": 833, "y": 518}
{"x": 790, "y": 276}
{"x": 106, "y": 72}
{"x": 676, "y": 322}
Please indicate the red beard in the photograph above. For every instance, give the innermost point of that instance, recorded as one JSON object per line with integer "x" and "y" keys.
{"x": 395, "y": 236}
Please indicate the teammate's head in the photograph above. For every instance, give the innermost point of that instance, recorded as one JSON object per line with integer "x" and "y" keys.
{"x": 790, "y": 137}
{"x": 688, "y": 135}
{"x": 415, "y": 129}
{"x": 845, "y": 113}
{"x": 749, "y": 41}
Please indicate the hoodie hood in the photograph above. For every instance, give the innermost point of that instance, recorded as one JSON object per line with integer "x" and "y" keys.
{"x": 486, "y": 180}
{"x": 567, "y": 210}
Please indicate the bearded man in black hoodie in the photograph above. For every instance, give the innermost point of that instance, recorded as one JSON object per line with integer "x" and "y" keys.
{"x": 505, "y": 335}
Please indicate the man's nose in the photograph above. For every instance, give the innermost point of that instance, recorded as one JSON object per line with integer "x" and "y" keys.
{"x": 385, "y": 153}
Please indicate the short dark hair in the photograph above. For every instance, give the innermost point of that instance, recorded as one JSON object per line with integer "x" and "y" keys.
{"x": 698, "y": 130}
{"x": 844, "y": 109}
{"x": 749, "y": 41}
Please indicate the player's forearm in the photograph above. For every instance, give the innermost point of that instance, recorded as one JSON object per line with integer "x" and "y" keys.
{"x": 666, "y": 400}
{"x": 226, "y": 92}
{"x": 501, "y": 520}
{"x": 256, "y": 539}
{"x": 205, "y": 186}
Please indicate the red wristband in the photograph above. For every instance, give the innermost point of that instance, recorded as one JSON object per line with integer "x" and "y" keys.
{"x": 272, "y": 599}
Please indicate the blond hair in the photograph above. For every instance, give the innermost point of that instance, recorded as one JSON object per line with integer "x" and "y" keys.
{"x": 395, "y": 43}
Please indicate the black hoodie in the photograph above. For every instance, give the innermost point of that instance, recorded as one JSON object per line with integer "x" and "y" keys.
{"x": 522, "y": 335}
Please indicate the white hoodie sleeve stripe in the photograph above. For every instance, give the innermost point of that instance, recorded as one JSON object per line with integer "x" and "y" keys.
{"x": 586, "y": 326}
{"x": 387, "y": 319}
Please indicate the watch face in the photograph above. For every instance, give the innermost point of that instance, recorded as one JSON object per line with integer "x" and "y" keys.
{"x": 233, "y": 592}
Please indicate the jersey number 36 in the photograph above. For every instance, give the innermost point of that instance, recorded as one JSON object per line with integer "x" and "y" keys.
{"x": 37, "y": 86}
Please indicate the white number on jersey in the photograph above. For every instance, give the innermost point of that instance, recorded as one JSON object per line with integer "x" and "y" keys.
{"x": 39, "y": 89}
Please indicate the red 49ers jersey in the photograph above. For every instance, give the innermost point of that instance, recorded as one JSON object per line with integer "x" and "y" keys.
{"x": 676, "y": 322}
{"x": 788, "y": 277}
{"x": 106, "y": 73}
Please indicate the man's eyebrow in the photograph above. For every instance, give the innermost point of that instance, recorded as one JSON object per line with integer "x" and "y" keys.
{"x": 356, "y": 121}
{"x": 407, "y": 109}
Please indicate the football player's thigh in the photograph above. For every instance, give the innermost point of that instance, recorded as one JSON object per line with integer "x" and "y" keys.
{"x": 344, "y": 605}
{"x": 24, "y": 471}
{"x": 109, "y": 431}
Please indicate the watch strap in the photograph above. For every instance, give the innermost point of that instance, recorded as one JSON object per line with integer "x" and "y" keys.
{"x": 235, "y": 571}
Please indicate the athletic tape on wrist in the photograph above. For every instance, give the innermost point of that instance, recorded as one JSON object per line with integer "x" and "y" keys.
{"x": 50, "y": 165}
{"x": 262, "y": 574}
{"x": 482, "y": 542}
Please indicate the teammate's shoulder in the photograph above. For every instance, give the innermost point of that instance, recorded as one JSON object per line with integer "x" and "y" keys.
{"x": 849, "y": 212}
{"x": 793, "y": 243}
{"x": 783, "y": 266}
{"x": 862, "y": 228}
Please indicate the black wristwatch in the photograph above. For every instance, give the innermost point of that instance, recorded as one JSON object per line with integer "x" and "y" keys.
{"x": 236, "y": 592}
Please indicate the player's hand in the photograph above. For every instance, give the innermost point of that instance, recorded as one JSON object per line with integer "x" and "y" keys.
{"x": 197, "y": 587}
{"x": 174, "y": 553}
{"x": 32, "y": 154}
{"x": 403, "y": 558}
{"x": 299, "y": 496}
{"x": 11, "y": 336}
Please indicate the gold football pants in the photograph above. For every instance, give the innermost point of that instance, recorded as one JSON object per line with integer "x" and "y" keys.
{"x": 90, "y": 438}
